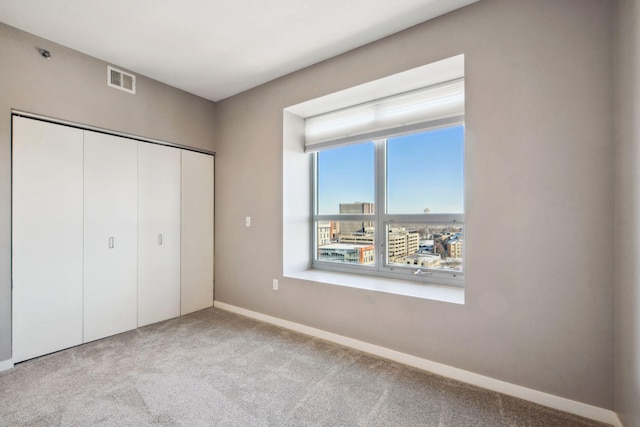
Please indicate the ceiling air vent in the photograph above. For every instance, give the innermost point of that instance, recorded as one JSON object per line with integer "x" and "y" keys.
{"x": 121, "y": 80}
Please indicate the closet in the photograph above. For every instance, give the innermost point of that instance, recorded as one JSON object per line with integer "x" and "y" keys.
{"x": 108, "y": 234}
{"x": 158, "y": 233}
{"x": 110, "y": 240}
{"x": 197, "y": 246}
{"x": 47, "y": 242}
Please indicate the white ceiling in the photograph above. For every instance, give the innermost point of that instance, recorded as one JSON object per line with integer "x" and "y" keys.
{"x": 217, "y": 48}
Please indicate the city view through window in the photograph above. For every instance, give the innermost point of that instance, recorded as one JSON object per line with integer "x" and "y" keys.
{"x": 423, "y": 176}
{"x": 430, "y": 246}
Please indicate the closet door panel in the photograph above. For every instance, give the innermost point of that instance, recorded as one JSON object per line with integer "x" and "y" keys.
{"x": 197, "y": 232}
{"x": 158, "y": 233}
{"x": 110, "y": 235}
{"x": 47, "y": 253}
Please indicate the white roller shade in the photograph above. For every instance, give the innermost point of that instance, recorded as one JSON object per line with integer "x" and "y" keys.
{"x": 439, "y": 104}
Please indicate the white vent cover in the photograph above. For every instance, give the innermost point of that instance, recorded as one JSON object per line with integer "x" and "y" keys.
{"x": 121, "y": 80}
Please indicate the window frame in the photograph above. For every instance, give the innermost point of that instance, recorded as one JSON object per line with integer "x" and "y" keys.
{"x": 382, "y": 219}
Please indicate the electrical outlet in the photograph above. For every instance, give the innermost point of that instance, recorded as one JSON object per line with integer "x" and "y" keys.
{"x": 275, "y": 284}
{"x": 247, "y": 221}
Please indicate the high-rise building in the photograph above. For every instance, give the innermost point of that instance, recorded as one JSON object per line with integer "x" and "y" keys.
{"x": 401, "y": 243}
{"x": 324, "y": 233}
{"x": 357, "y": 208}
{"x": 351, "y": 227}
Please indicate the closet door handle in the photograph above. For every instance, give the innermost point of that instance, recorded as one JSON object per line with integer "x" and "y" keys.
{"x": 111, "y": 242}
{"x": 159, "y": 239}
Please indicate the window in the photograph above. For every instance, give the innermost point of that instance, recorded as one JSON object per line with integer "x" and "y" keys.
{"x": 391, "y": 205}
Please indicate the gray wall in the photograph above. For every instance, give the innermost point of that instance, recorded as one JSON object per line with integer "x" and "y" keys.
{"x": 72, "y": 86}
{"x": 627, "y": 208}
{"x": 539, "y": 178}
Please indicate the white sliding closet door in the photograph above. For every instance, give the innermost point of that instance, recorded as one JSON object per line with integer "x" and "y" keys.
{"x": 197, "y": 232}
{"x": 46, "y": 237}
{"x": 158, "y": 233}
{"x": 110, "y": 235}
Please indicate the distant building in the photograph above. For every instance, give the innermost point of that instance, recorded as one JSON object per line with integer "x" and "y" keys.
{"x": 413, "y": 242}
{"x": 335, "y": 230}
{"x": 357, "y": 238}
{"x": 343, "y": 252}
{"x": 324, "y": 233}
{"x": 350, "y": 227}
{"x": 357, "y": 208}
{"x": 426, "y": 246}
{"x": 441, "y": 243}
{"x": 454, "y": 248}
{"x": 401, "y": 243}
{"x": 422, "y": 260}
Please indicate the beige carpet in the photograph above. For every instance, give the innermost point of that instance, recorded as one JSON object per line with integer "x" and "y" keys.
{"x": 214, "y": 368}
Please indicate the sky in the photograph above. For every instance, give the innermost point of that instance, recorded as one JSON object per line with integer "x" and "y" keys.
{"x": 424, "y": 170}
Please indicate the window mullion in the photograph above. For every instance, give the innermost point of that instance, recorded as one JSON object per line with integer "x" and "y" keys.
{"x": 344, "y": 217}
{"x": 314, "y": 207}
{"x": 314, "y": 180}
{"x": 424, "y": 218}
{"x": 380, "y": 201}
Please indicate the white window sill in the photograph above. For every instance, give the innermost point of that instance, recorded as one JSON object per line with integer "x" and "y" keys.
{"x": 442, "y": 293}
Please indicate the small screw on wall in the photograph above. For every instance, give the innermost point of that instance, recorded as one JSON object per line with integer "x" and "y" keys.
{"x": 45, "y": 53}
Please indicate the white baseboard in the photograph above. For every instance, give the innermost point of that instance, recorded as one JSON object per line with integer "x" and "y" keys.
{"x": 6, "y": 365}
{"x": 546, "y": 399}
